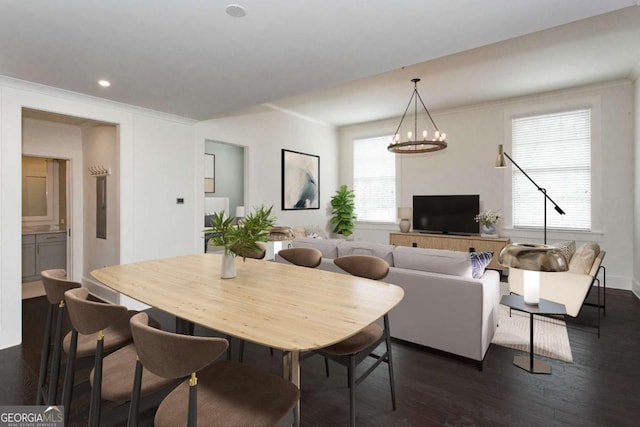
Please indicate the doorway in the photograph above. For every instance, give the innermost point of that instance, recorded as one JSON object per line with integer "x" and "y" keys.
{"x": 74, "y": 146}
{"x": 224, "y": 179}
{"x": 45, "y": 220}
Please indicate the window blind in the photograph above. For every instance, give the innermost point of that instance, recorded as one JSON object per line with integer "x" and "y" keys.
{"x": 555, "y": 151}
{"x": 374, "y": 180}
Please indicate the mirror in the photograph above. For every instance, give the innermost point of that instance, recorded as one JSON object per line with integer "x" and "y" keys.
{"x": 34, "y": 196}
{"x": 37, "y": 188}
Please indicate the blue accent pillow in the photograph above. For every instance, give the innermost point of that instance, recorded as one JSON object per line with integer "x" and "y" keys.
{"x": 479, "y": 260}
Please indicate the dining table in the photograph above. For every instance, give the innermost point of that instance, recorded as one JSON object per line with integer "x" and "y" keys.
{"x": 278, "y": 305}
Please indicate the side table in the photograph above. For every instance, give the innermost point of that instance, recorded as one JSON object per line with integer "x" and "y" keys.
{"x": 544, "y": 307}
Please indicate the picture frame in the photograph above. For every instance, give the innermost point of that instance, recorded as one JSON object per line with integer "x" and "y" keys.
{"x": 300, "y": 180}
{"x": 209, "y": 173}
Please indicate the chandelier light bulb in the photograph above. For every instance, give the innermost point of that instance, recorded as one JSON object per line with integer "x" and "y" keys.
{"x": 409, "y": 135}
{"x": 424, "y": 134}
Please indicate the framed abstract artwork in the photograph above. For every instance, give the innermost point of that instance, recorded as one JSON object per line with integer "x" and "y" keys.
{"x": 300, "y": 180}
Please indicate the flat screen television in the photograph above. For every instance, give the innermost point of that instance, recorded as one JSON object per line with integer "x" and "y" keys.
{"x": 451, "y": 214}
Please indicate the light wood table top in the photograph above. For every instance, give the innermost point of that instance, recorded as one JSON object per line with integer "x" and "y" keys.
{"x": 277, "y": 305}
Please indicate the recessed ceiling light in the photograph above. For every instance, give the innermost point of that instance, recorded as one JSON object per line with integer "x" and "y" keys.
{"x": 104, "y": 83}
{"x": 235, "y": 10}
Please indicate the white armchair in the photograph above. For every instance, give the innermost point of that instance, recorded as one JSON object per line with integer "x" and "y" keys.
{"x": 570, "y": 288}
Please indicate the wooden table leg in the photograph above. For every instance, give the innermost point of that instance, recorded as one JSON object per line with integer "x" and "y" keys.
{"x": 291, "y": 372}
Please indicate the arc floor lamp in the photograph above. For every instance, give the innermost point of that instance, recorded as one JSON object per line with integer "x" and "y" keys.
{"x": 500, "y": 163}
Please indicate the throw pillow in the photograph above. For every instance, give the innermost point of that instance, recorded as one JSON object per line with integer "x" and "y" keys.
{"x": 567, "y": 248}
{"x": 582, "y": 260}
{"x": 479, "y": 260}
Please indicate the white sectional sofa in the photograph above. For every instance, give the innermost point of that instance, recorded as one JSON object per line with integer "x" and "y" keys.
{"x": 444, "y": 307}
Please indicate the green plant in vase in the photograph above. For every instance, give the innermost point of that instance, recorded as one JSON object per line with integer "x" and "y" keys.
{"x": 239, "y": 238}
{"x": 343, "y": 215}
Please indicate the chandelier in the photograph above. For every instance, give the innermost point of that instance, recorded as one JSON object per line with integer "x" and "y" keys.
{"x": 414, "y": 144}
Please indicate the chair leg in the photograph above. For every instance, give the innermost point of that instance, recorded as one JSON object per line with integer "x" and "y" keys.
{"x": 69, "y": 377}
{"x": 241, "y": 351}
{"x": 604, "y": 290}
{"x": 326, "y": 366}
{"x": 352, "y": 390}
{"x": 192, "y": 417}
{"x": 598, "y": 307}
{"x": 392, "y": 381}
{"x": 134, "y": 405}
{"x": 229, "y": 347}
{"x": 44, "y": 356}
{"x": 55, "y": 364}
{"x": 96, "y": 390}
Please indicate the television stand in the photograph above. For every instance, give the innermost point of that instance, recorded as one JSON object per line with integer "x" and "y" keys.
{"x": 452, "y": 242}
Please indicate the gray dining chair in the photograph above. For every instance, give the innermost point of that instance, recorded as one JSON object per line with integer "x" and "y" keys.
{"x": 352, "y": 351}
{"x": 112, "y": 377}
{"x": 225, "y": 393}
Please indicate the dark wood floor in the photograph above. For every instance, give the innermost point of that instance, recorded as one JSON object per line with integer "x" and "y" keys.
{"x": 600, "y": 388}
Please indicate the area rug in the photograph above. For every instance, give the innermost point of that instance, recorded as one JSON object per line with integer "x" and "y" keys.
{"x": 550, "y": 338}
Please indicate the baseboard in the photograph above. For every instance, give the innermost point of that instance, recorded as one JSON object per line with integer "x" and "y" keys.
{"x": 635, "y": 288}
{"x": 624, "y": 283}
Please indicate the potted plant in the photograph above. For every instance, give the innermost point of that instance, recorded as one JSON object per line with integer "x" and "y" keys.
{"x": 238, "y": 238}
{"x": 488, "y": 220}
{"x": 343, "y": 206}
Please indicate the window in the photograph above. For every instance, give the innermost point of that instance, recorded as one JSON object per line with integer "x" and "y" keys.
{"x": 555, "y": 151}
{"x": 374, "y": 180}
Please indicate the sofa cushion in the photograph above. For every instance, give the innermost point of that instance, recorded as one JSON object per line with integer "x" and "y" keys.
{"x": 362, "y": 248}
{"x": 328, "y": 247}
{"x": 582, "y": 260}
{"x": 567, "y": 248}
{"x": 433, "y": 260}
{"x": 479, "y": 261}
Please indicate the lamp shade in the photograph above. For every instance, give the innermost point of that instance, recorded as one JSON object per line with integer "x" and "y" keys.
{"x": 239, "y": 211}
{"x": 533, "y": 257}
{"x": 500, "y": 162}
{"x": 405, "y": 213}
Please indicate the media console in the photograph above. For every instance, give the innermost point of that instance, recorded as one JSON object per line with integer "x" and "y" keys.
{"x": 453, "y": 243}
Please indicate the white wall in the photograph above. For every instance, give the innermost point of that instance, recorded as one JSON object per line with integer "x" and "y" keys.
{"x": 265, "y": 132}
{"x": 157, "y": 164}
{"x": 100, "y": 148}
{"x": 466, "y": 167}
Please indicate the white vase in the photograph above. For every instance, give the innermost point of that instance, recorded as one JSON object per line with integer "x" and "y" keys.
{"x": 228, "y": 266}
{"x": 488, "y": 229}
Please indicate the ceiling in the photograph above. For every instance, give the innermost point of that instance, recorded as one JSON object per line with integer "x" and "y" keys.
{"x": 337, "y": 62}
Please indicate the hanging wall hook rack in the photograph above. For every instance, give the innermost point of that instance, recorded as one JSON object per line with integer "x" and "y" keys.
{"x": 99, "y": 171}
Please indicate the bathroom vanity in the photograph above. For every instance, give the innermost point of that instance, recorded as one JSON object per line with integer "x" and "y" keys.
{"x": 43, "y": 248}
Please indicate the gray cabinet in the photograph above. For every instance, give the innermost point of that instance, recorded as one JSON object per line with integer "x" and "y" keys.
{"x": 28, "y": 255}
{"x": 43, "y": 252}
